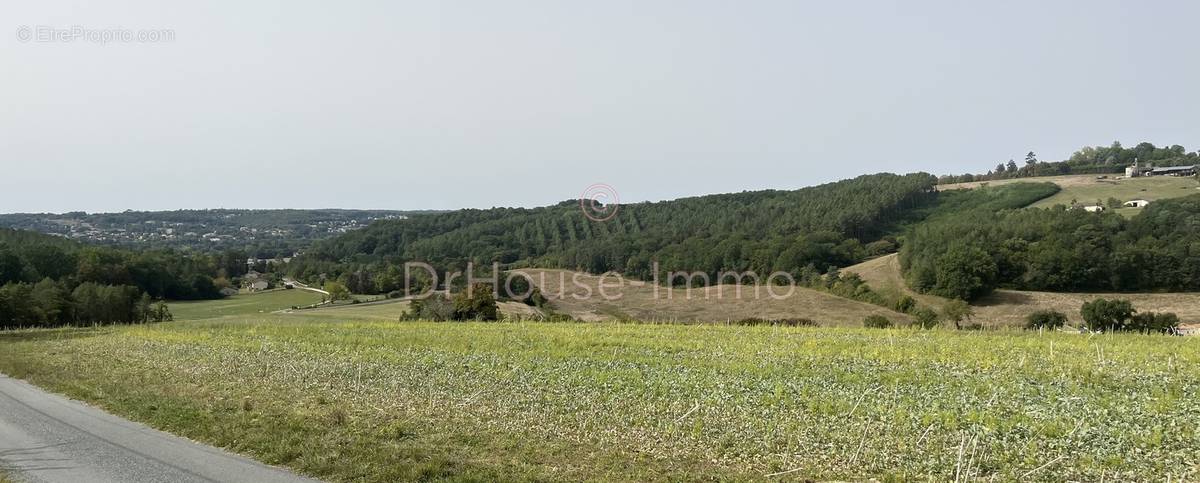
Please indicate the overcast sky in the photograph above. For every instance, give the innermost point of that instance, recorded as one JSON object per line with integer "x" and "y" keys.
{"x": 449, "y": 104}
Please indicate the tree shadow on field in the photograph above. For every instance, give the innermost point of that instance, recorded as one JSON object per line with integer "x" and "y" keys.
{"x": 38, "y": 335}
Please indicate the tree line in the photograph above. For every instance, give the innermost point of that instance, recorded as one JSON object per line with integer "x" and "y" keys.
{"x": 1110, "y": 159}
{"x": 51, "y": 303}
{"x": 970, "y": 253}
{"x": 835, "y": 224}
{"x": 48, "y": 280}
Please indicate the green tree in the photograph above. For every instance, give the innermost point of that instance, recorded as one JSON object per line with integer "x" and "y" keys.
{"x": 477, "y": 303}
{"x": 337, "y": 291}
{"x": 1107, "y": 315}
{"x": 1150, "y": 322}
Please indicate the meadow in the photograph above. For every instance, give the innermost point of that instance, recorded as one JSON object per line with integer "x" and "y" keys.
{"x": 346, "y": 395}
{"x": 1086, "y": 189}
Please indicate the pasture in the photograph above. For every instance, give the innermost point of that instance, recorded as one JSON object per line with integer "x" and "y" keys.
{"x": 344, "y": 395}
{"x": 1088, "y": 190}
{"x": 244, "y": 304}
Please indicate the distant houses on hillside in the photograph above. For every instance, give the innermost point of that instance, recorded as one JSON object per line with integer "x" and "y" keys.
{"x": 1148, "y": 169}
{"x": 1136, "y": 203}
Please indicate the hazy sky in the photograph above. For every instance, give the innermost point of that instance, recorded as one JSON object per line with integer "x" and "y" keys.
{"x": 450, "y": 104}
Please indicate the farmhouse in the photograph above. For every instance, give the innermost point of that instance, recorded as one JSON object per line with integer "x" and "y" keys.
{"x": 1093, "y": 208}
{"x": 259, "y": 286}
{"x": 1149, "y": 170}
{"x": 1174, "y": 171}
{"x": 1136, "y": 203}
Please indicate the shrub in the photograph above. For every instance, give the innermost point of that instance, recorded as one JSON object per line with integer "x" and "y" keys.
{"x": 876, "y": 322}
{"x": 1149, "y": 322}
{"x": 905, "y": 304}
{"x": 925, "y": 318}
{"x": 1045, "y": 319}
{"x": 395, "y": 294}
{"x": 435, "y": 308}
{"x": 478, "y": 303}
{"x": 796, "y": 322}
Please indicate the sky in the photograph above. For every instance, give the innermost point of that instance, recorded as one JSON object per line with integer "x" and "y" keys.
{"x": 150, "y": 105}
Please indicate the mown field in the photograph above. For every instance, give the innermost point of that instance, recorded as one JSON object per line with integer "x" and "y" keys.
{"x": 350, "y": 398}
{"x": 244, "y": 304}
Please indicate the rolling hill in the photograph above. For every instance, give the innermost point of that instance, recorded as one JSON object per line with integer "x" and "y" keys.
{"x": 1090, "y": 189}
{"x": 1008, "y": 308}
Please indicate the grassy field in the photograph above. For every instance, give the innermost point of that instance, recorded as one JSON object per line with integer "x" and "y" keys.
{"x": 712, "y": 304}
{"x": 342, "y": 395}
{"x": 244, "y": 304}
{"x": 1086, "y": 189}
{"x": 1009, "y": 308}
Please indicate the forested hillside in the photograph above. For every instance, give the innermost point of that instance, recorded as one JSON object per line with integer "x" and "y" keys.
{"x": 969, "y": 253}
{"x": 48, "y": 280}
{"x": 835, "y": 224}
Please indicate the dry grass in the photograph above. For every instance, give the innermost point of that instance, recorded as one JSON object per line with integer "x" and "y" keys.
{"x": 1087, "y": 189}
{"x": 883, "y": 274}
{"x": 1068, "y": 181}
{"x": 1008, "y": 308}
{"x": 641, "y": 301}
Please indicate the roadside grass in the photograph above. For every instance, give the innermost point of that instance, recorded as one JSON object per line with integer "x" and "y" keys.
{"x": 243, "y": 304}
{"x": 362, "y": 400}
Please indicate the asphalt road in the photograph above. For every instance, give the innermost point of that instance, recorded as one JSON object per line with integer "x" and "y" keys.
{"x": 49, "y": 438}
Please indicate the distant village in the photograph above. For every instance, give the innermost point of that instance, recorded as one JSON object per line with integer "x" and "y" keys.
{"x": 205, "y": 230}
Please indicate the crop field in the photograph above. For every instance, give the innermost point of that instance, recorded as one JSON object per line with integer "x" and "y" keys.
{"x": 352, "y": 398}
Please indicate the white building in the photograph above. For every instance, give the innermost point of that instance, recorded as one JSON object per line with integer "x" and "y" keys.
{"x": 1093, "y": 208}
{"x": 1136, "y": 203}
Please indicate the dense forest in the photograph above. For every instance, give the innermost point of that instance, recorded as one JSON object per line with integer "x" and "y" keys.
{"x": 972, "y": 252}
{"x": 834, "y": 224}
{"x": 47, "y": 280}
{"x": 1088, "y": 160}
